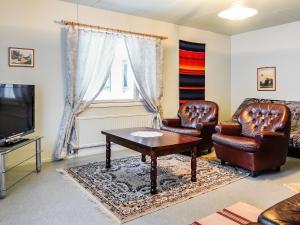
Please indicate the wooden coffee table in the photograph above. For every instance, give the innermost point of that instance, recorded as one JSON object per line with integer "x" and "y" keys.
{"x": 168, "y": 143}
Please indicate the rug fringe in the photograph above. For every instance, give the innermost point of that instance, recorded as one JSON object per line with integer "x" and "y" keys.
{"x": 112, "y": 218}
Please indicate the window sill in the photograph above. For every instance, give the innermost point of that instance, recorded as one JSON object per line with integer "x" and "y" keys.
{"x": 103, "y": 104}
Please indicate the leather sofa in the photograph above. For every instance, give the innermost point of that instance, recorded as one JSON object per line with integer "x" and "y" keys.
{"x": 283, "y": 213}
{"x": 258, "y": 140}
{"x": 195, "y": 118}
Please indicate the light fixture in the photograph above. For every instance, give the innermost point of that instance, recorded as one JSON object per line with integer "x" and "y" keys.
{"x": 237, "y": 12}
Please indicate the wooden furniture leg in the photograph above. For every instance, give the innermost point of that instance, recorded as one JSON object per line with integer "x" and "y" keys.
{"x": 153, "y": 172}
{"x": 143, "y": 158}
{"x": 108, "y": 152}
{"x": 194, "y": 164}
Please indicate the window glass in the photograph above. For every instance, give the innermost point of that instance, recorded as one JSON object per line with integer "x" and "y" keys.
{"x": 120, "y": 84}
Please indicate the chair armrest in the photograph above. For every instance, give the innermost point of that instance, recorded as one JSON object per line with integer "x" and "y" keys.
{"x": 174, "y": 122}
{"x": 233, "y": 129}
{"x": 206, "y": 129}
{"x": 267, "y": 136}
{"x": 202, "y": 125}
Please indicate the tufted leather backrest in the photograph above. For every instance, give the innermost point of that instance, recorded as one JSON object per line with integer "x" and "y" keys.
{"x": 196, "y": 111}
{"x": 258, "y": 117}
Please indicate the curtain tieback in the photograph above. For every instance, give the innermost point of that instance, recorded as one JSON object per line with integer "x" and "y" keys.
{"x": 156, "y": 119}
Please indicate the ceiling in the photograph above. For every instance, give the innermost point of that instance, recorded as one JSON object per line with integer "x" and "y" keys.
{"x": 202, "y": 14}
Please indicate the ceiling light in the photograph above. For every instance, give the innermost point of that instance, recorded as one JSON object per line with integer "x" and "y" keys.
{"x": 237, "y": 13}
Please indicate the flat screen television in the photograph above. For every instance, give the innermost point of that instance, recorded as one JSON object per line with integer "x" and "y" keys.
{"x": 16, "y": 111}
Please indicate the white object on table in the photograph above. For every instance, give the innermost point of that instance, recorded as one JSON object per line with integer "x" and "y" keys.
{"x": 147, "y": 134}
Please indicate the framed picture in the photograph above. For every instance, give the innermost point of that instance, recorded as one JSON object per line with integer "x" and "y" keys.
{"x": 266, "y": 79}
{"x": 20, "y": 57}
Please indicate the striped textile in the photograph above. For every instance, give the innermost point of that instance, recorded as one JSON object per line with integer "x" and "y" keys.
{"x": 191, "y": 71}
{"x": 237, "y": 214}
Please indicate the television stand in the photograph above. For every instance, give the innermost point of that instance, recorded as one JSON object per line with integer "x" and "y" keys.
{"x": 16, "y": 162}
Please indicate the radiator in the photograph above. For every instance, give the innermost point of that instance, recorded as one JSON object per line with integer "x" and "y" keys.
{"x": 89, "y": 128}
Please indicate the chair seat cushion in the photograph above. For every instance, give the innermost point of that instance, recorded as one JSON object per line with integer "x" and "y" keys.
{"x": 187, "y": 131}
{"x": 236, "y": 142}
{"x": 284, "y": 212}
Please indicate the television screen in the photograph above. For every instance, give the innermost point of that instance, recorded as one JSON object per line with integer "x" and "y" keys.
{"x": 16, "y": 109}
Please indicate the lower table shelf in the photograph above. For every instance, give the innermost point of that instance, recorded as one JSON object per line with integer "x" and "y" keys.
{"x": 17, "y": 161}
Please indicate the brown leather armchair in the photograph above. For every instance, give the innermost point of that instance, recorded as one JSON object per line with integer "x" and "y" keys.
{"x": 259, "y": 141}
{"x": 196, "y": 118}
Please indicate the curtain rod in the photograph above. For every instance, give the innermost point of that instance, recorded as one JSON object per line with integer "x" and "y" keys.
{"x": 67, "y": 22}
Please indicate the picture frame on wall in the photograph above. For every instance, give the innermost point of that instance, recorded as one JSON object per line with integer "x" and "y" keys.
{"x": 266, "y": 78}
{"x": 20, "y": 57}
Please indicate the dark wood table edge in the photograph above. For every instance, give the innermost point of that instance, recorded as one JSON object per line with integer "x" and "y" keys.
{"x": 115, "y": 138}
{"x": 153, "y": 152}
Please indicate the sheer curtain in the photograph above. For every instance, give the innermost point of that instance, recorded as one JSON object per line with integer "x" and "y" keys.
{"x": 90, "y": 54}
{"x": 145, "y": 55}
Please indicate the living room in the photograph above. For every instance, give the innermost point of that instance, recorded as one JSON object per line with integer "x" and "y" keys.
{"x": 235, "y": 52}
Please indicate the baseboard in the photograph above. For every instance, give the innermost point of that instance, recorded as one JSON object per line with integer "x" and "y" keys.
{"x": 88, "y": 151}
{"x": 47, "y": 160}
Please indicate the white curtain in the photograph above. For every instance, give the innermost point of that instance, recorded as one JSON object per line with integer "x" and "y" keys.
{"x": 145, "y": 55}
{"x": 90, "y": 54}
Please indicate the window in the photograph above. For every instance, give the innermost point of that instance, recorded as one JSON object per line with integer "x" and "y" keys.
{"x": 120, "y": 84}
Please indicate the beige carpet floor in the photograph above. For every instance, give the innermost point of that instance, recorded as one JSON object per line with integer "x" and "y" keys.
{"x": 48, "y": 199}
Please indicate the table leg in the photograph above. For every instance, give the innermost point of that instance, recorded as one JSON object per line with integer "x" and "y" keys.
{"x": 194, "y": 164}
{"x": 2, "y": 177}
{"x": 143, "y": 158}
{"x": 38, "y": 155}
{"x": 108, "y": 152}
{"x": 153, "y": 172}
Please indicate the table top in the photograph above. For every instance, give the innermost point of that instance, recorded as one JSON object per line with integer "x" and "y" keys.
{"x": 168, "y": 139}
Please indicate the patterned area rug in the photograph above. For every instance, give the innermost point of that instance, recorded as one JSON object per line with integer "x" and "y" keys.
{"x": 124, "y": 189}
{"x": 239, "y": 213}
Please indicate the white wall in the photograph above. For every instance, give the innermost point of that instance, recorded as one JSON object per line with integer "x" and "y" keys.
{"x": 275, "y": 46}
{"x": 30, "y": 23}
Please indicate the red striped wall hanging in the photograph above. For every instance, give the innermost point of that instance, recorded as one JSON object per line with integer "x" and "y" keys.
{"x": 191, "y": 71}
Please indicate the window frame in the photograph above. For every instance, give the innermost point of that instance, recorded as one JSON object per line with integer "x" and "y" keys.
{"x": 121, "y": 101}
{"x": 116, "y": 103}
